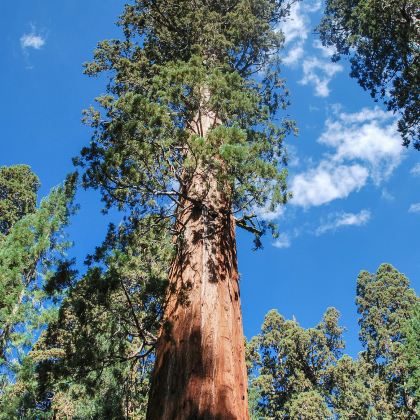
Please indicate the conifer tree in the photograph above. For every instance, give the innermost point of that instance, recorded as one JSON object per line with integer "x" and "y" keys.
{"x": 411, "y": 352}
{"x": 190, "y": 131}
{"x": 385, "y": 303}
{"x": 298, "y": 373}
{"x": 30, "y": 251}
{"x": 294, "y": 367}
{"x": 95, "y": 359}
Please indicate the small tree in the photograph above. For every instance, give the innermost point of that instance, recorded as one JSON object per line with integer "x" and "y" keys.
{"x": 18, "y": 189}
{"x": 96, "y": 358}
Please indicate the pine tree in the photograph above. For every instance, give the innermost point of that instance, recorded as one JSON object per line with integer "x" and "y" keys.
{"x": 95, "y": 359}
{"x": 411, "y": 352}
{"x": 301, "y": 373}
{"x": 187, "y": 132}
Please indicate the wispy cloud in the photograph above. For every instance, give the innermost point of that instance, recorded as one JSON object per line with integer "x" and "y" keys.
{"x": 296, "y": 30}
{"x": 370, "y": 136}
{"x": 338, "y": 220}
{"x": 363, "y": 145}
{"x": 32, "y": 40}
{"x": 296, "y": 27}
{"x": 269, "y": 215}
{"x": 386, "y": 195}
{"x": 318, "y": 70}
{"x": 319, "y": 73}
{"x": 415, "y": 170}
{"x": 414, "y": 208}
{"x": 326, "y": 52}
{"x": 283, "y": 241}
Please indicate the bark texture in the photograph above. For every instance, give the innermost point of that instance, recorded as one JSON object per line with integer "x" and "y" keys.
{"x": 200, "y": 368}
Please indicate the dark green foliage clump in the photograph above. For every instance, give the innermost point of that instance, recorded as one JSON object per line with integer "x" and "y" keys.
{"x": 382, "y": 40}
{"x": 411, "y": 351}
{"x": 18, "y": 190}
{"x": 294, "y": 366}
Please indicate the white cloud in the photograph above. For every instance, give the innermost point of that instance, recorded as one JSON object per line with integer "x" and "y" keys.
{"x": 370, "y": 136}
{"x": 311, "y": 6}
{"x": 32, "y": 40}
{"x": 296, "y": 27}
{"x": 283, "y": 241}
{"x": 326, "y": 183}
{"x": 386, "y": 195}
{"x": 294, "y": 55}
{"x": 296, "y": 31}
{"x": 414, "y": 208}
{"x": 344, "y": 219}
{"x": 269, "y": 215}
{"x": 364, "y": 145}
{"x": 326, "y": 52}
{"x": 319, "y": 73}
{"x": 415, "y": 170}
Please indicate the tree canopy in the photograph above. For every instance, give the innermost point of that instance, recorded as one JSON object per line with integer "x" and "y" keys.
{"x": 178, "y": 61}
{"x": 302, "y": 373}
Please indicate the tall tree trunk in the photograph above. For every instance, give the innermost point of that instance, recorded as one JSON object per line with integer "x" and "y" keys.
{"x": 200, "y": 361}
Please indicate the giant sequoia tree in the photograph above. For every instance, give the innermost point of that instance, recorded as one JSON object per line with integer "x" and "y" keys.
{"x": 186, "y": 132}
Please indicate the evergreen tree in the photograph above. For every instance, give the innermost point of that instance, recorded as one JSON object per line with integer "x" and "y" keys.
{"x": 301, "y": 374}
{"x": 382, "y": 40}
{"x": 385, "y": 302}
{"x": 295, "y": 366}
{"x": 33, "y": 246}
{"x": 186, "y": 132}
{"x": 96, "y": 358}
{"x": 411, "y": 352}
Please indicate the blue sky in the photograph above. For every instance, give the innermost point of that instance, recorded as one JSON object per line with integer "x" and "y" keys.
{"x": 356, "y": 190}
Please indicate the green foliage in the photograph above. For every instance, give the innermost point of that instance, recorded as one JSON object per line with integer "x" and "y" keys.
{"x": 18, "y": 189}
{"x": 301, "y": 374}
{"x": 411, "y": 351}
{"x": 385, "y": 302}
{"x": 309, "y": 405}
{"x": 357, "y": 392}
{"x": 294, "y": 364}
{"x": 382, "y": 40}
{"x": 28, "y": 254}
{"x": 179, "y": 61}
{"x": 96, "y": 357}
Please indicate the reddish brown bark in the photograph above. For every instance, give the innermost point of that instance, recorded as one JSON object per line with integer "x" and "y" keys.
{"x": 200, "y": 361}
